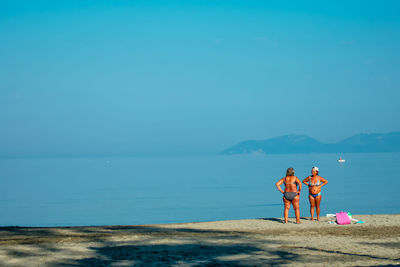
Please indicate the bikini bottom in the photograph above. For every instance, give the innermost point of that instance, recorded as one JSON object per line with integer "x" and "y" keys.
{"x": 314, "y": 196}
{"x": 290, "y": 195}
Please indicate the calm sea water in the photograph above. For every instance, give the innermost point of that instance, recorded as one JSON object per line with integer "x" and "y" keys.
{"x": 146, "y": 190}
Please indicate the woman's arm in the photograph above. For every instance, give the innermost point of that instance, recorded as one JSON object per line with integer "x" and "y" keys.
{"x": 299, "y": 183}
{"x": 306, "y": 180}
{"x": 324, "y": 181}
{"x": 278, "y": 185}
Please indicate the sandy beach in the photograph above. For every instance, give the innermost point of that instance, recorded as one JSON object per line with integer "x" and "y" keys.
{"x": 254, "y": 242}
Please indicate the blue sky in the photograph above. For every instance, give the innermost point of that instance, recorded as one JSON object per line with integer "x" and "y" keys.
{"x": 173, "y": 77}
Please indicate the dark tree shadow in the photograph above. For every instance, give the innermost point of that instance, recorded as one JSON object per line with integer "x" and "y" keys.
{"x": 372, "y": 257}
{"x": 395, "y": 245}
{"x": 198, "y": 248}
{"x": 152, "y": 246}
{"x": 166, "y": 255}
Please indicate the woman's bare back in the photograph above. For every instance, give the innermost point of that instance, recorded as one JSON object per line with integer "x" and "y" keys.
{"x": 291, "y": 183}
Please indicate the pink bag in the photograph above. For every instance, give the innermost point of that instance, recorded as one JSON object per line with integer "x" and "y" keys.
{"x": 342, "y": 218}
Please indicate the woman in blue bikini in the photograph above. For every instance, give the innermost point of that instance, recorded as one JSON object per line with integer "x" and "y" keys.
{"x": 314, "y": 183}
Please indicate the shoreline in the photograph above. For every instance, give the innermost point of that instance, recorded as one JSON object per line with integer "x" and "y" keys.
{"x": 265, "y": 241}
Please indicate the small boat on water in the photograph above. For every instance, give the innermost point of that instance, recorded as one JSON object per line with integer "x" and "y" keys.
{"x": 340, "y": 160}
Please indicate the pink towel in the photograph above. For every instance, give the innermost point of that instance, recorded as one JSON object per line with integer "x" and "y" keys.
{"x": 342, "y": 218}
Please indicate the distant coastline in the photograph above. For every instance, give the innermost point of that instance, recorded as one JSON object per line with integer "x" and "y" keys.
{"x": 292, "y": 144}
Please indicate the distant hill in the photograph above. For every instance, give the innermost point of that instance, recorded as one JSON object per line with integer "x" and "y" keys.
{"x": 289, "y": 144}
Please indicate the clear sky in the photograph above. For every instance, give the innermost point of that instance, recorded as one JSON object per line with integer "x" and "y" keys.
{"x": 156, "y": 77}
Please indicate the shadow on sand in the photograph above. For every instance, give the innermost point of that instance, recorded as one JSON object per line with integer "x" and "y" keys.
{"x": 151, "y": 247}
{"x": 160, "y": 246}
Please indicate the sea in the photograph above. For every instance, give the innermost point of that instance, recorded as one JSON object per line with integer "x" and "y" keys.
{"x": 177, "y": 189}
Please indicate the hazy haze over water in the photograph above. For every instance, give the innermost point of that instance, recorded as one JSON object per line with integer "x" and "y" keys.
{"x": 193, "y": 77}
{"x": 175, "y": 82}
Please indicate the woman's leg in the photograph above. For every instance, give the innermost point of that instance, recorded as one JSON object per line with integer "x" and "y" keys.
{"x": 317, "y": 203}
{"x": 296, "y": 207}
{"x": 312, "y": 205}
{"x": 286, "y": 210}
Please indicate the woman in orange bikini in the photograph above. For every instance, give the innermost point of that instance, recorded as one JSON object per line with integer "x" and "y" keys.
{"x": 290, "y": 195}
{"x": 314, "y": 183}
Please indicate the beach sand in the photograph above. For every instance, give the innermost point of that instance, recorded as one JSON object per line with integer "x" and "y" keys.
{"x": 254, "y": 242}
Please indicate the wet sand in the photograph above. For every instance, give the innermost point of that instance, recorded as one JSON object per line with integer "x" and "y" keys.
{"x": 254, "y": 242}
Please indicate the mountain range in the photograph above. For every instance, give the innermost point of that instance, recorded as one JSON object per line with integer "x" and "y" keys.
{"x": 290, "y": 144}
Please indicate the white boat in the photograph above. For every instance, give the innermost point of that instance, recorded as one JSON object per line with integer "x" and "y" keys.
{"x": 340, "y": 160}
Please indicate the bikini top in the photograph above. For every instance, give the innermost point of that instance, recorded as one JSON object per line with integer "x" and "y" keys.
{"x": 311, "y": 184}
